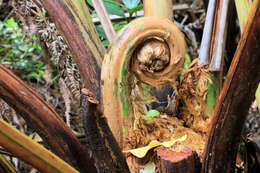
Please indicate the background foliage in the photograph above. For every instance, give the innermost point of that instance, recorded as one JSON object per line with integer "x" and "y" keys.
{"x": 20, "y": 51}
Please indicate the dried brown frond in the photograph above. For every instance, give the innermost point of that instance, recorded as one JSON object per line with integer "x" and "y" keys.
{"x": 55, "y": 54}
{"x": 9, "y": 115}
{"x": 67, "y": 99}
{"x": 32, "y": 14}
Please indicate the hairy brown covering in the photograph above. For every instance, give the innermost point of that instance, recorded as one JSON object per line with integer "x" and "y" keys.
{"x": 102, "y": 144}
{"x": 192, "y": 94}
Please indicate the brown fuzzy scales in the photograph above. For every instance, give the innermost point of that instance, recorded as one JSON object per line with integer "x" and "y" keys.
{"x": 153, "y": 56}
{"x": 192, "y": 94}
{"x": 106, "y": 152}
{"x": 161, "y": 129}
{"x": 190, "y": 102}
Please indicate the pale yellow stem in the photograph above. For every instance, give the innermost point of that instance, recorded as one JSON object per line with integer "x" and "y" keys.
{"x": 31, "y": 152}
{"x": 104, "y": 19}
{"x": 243, "y": 8}
{"x": 162, "y": 8}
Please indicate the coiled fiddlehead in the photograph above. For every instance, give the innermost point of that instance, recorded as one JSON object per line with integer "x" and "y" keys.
{"x": 151, "y": 49}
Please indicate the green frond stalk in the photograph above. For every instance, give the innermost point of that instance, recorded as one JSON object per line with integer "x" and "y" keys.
{"x": 31, "y": 152}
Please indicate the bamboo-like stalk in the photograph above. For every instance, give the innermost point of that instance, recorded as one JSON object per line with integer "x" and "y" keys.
{"x": 220, "y": 35}
{"x": 44, "y": 120}
{"x": 31, "y": 152}
{"x": 74, "y": 22}
{"x": 104, "y": 19}
{"x": 162, "y": 8}
{"x": 213, "y": 46}
{"x": 207, "y": 34}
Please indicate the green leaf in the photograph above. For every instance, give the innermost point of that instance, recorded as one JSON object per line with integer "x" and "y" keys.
{"x": 19, "y": 51}
{"x": 3, "y": 49}
{"x": 34, "y": 75}
{"x": 130, "y": 4}
{"x": 40, "y": 64}
{"x": 23, "y": 47}
{"x": 152, "y": 113}
{"x": 112, "y": 7}
{"x": 139, "y": 7}
{"x": 186, "y": 63}
{"x": 22, "y": 63}
{"x": 31, "y": 49}
{"x": 16, "y": 52}
{"x": 10, "y": 23}
{"x": 41, "y": 72}
{"x": 212, "y": 95}
{"x": 101, "y": 32}
{"x": 119, "y": 25}
{"x": 1, "y": 25}
{"x": 105, "y": 43}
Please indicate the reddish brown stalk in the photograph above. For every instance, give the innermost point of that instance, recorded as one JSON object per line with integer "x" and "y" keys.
{"x": 235, "y": 99}
{"x": 45, "y": 121}
{"x": 106, "y": 151}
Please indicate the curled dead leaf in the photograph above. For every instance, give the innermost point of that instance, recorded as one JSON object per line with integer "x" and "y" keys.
{"x": 141, "y": 152}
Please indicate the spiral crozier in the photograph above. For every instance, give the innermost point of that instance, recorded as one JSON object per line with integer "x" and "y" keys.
{"x": 150, "y": 49}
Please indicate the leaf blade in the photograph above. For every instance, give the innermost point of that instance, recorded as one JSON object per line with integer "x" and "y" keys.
{"x": 130, "y": 4}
